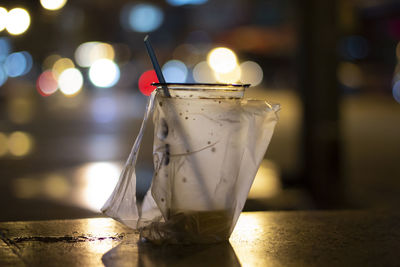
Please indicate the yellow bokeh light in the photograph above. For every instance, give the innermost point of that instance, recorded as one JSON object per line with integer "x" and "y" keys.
{"x": 20, "y": 110}
{"x": 229, "y": 77}
{"x": 267, "y": 182}
{"x": 350, "y": 75}
{"x": 102, "y": 51}
{"x": 60, "y": 65}
{"x": 18, "y": 21}
{"x": 3, "y": 144}
{"x": 3, "y": 18}
{"x": 27, "y": 187}
{"x": 53, "y": 4}
{"x": 20, "y": 144}
{"x": 49, "y": 61}
{"x": 70, "y": 81}
{"x": 56, "y": 186}
{"x": 87, "y": 53}
{"x": 222, "y": 60}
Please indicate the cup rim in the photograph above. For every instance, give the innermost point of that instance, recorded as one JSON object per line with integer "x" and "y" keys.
{"x": 204, "y": 84}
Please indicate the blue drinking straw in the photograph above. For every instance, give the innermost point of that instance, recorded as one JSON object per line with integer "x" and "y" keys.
{"x": 156, "y": 66}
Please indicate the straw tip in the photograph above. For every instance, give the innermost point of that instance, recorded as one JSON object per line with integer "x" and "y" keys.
{"x": 146, "y": 37}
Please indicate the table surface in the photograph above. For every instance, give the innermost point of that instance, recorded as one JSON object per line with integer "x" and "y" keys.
{"x": 297, "y": 238}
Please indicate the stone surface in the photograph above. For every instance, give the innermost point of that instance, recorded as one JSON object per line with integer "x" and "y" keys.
{"x": 309, "y": 238}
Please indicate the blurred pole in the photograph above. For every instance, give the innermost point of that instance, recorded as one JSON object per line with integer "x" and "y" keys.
{"x": 320, "y": 96}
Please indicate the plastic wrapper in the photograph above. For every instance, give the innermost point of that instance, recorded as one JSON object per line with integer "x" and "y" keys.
{"x": 206, "y": 154}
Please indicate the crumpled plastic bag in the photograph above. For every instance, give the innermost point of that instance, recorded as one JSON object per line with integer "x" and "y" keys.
{"x": 206, "y": 154}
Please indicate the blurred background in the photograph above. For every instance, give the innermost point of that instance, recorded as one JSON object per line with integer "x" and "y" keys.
{"x": 71, "y": 102}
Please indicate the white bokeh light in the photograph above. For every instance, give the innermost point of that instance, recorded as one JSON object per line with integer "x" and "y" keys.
{"x": 18, "y": 21}
{"x": 101, "y": 178}
{"x": 87, "y": 53}
{"x": 104, "y": 73}
{"x": 70, "y": 81}
{"x": 202, "y": 73}
{"x": 53, "y": 4}
{"x": 3, "y": 18}
{"x": 251, "y": 73}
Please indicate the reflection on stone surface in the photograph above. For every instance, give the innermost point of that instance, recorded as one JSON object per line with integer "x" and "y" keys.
{"x": 146, "y": 254}
{"x": 103, "y": 242}
{"x": 307, "y": 238}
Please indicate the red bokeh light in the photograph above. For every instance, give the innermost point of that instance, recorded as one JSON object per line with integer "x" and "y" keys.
{"x": 145, "y": 81}
{"x": 46, "y": 84}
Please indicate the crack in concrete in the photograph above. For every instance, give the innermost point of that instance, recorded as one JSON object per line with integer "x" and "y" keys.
{"x": 13, "y": 246}
{"x": 67, "y": 239}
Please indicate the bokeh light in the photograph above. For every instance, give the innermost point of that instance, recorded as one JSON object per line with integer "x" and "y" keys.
{"x": 104, "y": 109}
{"x": 251, "y": 73}
{"x": 229, "y": 77}
{"x": 350, "y": 75}
{"x": 28, "y": 62}
{"x": 18, "y": 21}
{"x": 83, "y": 54}
{"x": 3, "y": 18}
{"x": 396, "y": 91}
{"x": 49, "y": 61}
{"x": 3, "y": 76}
{"x": 17, "y": 64}
{"x": 46, "y": 83}
{"x": 20, "y": 143}
{"x": 354, "y": 47}
{"x": 104, "y": 73}
{"x": 101, "y": 179}
{"x": 3, "y": 144}
{"x": 145, "y": 81}
{"x": 267, "y": 183}
{"x": 145, "y": 17}
{"x": 20, "y": 110}
{"x": 56, "y": 186}
{"x": 27, "y": 187}
{"x": 102, "y": 147}
{"x": 202, "y": 73}
{"x": 53, "y": 4}
{"x": 186, "y": 2}
{"x": 61, "y": 65}
{"x": 87, "y": 53}
{"x": 70, "y": 81}
{"x": 175, "y": 71}
{"x": 5, "y": 48}
{"x": 222, "y": 60}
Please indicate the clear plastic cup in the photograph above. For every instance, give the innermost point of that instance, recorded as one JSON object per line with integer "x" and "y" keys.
{"x": 208, "y": 145}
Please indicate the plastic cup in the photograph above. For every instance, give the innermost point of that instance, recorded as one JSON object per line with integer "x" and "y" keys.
{"x": 208, "y": 145}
